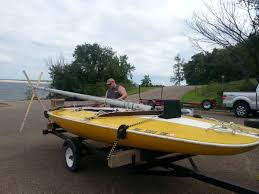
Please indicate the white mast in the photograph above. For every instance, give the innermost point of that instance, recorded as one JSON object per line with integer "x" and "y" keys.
{"x": 113, "y": 102}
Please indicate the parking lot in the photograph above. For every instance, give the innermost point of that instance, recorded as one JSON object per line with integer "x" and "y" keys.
{"x": 32, "y": 162}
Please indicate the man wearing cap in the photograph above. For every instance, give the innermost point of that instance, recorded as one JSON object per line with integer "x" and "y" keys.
{"x": 115, "y": 91}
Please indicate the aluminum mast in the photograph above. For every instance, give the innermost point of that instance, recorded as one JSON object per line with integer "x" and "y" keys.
{"x": 113, "y": 102}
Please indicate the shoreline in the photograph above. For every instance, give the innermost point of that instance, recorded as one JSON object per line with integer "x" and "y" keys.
{"x": 22, "y": 81}
{"x": 4, "y": 104}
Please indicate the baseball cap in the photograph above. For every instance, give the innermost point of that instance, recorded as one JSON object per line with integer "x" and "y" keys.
{"x": 110, "y": 80}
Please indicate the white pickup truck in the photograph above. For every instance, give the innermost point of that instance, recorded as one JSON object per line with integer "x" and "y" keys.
{"x": 243, "y": 103}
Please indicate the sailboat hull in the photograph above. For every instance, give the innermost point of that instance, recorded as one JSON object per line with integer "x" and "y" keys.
{"x": 178, "y": 135}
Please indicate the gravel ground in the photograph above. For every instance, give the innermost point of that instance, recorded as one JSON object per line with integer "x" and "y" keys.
{"x": 33, "y": 163}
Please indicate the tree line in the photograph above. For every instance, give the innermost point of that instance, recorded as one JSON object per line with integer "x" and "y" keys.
{"x": 220, "y": 64}
{"x": 91, "y": 67}
{"x": 232, "y": 25}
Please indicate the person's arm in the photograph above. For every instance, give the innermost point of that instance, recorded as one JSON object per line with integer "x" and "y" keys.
{"x": 123, "y": 93}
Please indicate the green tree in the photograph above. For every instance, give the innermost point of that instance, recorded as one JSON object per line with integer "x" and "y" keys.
{"x": 91, "y": 67}
{"x": 211, "y": 66}
{"x": 146, "y": 81}
{"x": 178, "y": 76}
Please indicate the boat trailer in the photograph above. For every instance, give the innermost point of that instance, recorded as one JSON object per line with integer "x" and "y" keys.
{"x": 205, "y": 104}
{"x": 137, "y": 161}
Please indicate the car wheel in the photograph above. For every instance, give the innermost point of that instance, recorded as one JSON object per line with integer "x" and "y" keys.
{"x": 72, "y": 155}
{"x": 241, "y": 109}
{"x": 252, "y": 123}
{"x": 206, "y": 105}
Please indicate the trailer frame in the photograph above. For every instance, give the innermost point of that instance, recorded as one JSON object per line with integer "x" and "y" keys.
{"x": 152, "y": 160}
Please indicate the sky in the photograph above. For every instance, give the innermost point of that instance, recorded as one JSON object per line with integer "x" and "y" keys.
{"x": 150, "y": 32}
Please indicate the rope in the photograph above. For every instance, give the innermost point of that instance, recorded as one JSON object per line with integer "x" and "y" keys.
{"x": 98, "y": 114}
{"x": 140, "y": 122}
{"x": 225, "y": 127}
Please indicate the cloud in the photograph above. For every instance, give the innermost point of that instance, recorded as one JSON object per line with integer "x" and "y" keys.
{"x": 151, "y": 32}
{"x": 4, "y": 58}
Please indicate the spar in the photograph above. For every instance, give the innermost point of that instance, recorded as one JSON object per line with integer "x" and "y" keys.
{"x": 119, "y": 103}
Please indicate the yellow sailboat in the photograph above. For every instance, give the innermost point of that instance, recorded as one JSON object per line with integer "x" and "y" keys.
{"x": 184, "y": 134}
{"x": 144, "y": 128}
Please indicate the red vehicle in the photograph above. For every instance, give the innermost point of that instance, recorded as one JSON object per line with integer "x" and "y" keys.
{"x": 206, "y": 104}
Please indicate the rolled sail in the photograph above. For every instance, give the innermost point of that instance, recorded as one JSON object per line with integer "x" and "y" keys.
{"x": 114, "y": 102}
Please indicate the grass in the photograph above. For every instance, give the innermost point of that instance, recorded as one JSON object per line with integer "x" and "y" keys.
{"x": 193, "y": 96}
{"x": 215, "y": 90}
{"x": 135, "y": 90}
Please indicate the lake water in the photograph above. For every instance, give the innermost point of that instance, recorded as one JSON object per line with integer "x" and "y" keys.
{"x": 17, "y": 91}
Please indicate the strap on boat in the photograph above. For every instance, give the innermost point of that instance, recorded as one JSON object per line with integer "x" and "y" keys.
{"x": 122, "y": 131}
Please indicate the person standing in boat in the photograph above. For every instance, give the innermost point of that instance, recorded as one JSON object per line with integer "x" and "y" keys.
{"x": 115, "y": 91}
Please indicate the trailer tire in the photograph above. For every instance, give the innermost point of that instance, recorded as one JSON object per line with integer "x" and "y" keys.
{"x": 206, "y": 104}
{"x": 252, "y": 123}
{"x": 72, "y": 154}
{"x": 241, "y": 109}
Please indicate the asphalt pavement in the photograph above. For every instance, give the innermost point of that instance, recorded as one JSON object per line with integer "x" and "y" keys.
{"x": 34, "y": 163}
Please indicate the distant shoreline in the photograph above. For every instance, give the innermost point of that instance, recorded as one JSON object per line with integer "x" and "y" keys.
{"x": 22, "y": 81}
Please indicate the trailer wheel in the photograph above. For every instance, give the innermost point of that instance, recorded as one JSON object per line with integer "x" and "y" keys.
{"x": 72, "y": 154}
{"x": 252, "y": 123}
{"x": 206, "y": 104}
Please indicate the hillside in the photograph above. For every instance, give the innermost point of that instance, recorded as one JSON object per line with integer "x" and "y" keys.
{"x": 215, "y": 90}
